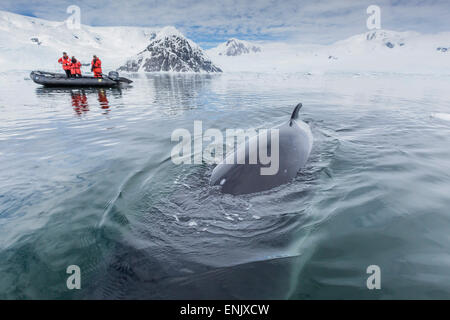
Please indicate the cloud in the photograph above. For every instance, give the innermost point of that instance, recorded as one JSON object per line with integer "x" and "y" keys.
{"x": 316, "y": 21}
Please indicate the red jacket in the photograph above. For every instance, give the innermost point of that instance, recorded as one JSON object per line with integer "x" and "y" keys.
{"x": 65, "y": 63}
{"x": 96, "y": 66}
{"x": 75, "y": 68}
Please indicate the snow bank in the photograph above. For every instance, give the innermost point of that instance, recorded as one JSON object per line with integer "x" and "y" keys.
{"x": 31, "y": 43}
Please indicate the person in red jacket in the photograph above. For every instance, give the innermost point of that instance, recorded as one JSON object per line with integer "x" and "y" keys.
{"x": 65, "y": 61}
{"x": 96, "y": 67}
{"x": 75, "y": 68}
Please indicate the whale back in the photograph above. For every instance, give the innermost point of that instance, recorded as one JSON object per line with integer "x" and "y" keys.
{"x": 294, "y": 147}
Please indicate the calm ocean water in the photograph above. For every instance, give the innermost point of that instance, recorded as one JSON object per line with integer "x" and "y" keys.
{"x": 86, "y": 179}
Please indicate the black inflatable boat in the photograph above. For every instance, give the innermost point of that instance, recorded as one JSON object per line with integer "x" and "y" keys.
{"x": 50, "y": 79}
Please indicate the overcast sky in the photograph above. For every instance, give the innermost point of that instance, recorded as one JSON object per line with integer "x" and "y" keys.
{"x": 210, "y": 22}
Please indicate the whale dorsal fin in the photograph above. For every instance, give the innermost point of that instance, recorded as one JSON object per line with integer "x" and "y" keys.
{"x": 295, "y": 113}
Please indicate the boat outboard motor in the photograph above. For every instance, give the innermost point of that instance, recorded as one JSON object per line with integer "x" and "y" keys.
{"x": 113, "y": 75}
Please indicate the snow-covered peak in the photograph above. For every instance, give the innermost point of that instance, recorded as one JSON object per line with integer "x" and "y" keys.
{"x": 168, "y": 32}
{"x": 170, "y": 51}
{"x": 235, "y": 47}
{"x": 172, "y": 36}
{"x": 390, "y": 39}
{"x": 376, "y": 39}
{"x": 384, "y": 41}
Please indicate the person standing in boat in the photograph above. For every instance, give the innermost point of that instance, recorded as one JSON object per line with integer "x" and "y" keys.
{"x": 65, "y": 61}
{"x": 96, "y": 67}
{"x": 75, "y": 68}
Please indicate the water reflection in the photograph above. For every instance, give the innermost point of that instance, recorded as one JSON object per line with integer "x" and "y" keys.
{"x": 103, "y": 100}
{"x": 81, "y": 99}
{"x": 79, "y": 102}
{"x": 180, "y": 92}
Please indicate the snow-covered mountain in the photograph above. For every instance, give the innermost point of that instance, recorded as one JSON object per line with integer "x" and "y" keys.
{"x": 385, "y": 50}
{"x": 372, "y": 51}
{"x": 235, "y": 47}
{"x": 28, "y": 43}
{"x": 381, "y": 41}
{"x": 169, "y": 50}
{"x": 31, "y": 43}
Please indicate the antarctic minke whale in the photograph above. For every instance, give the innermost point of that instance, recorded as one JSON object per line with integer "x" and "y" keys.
{"x": 245, "y": 171}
